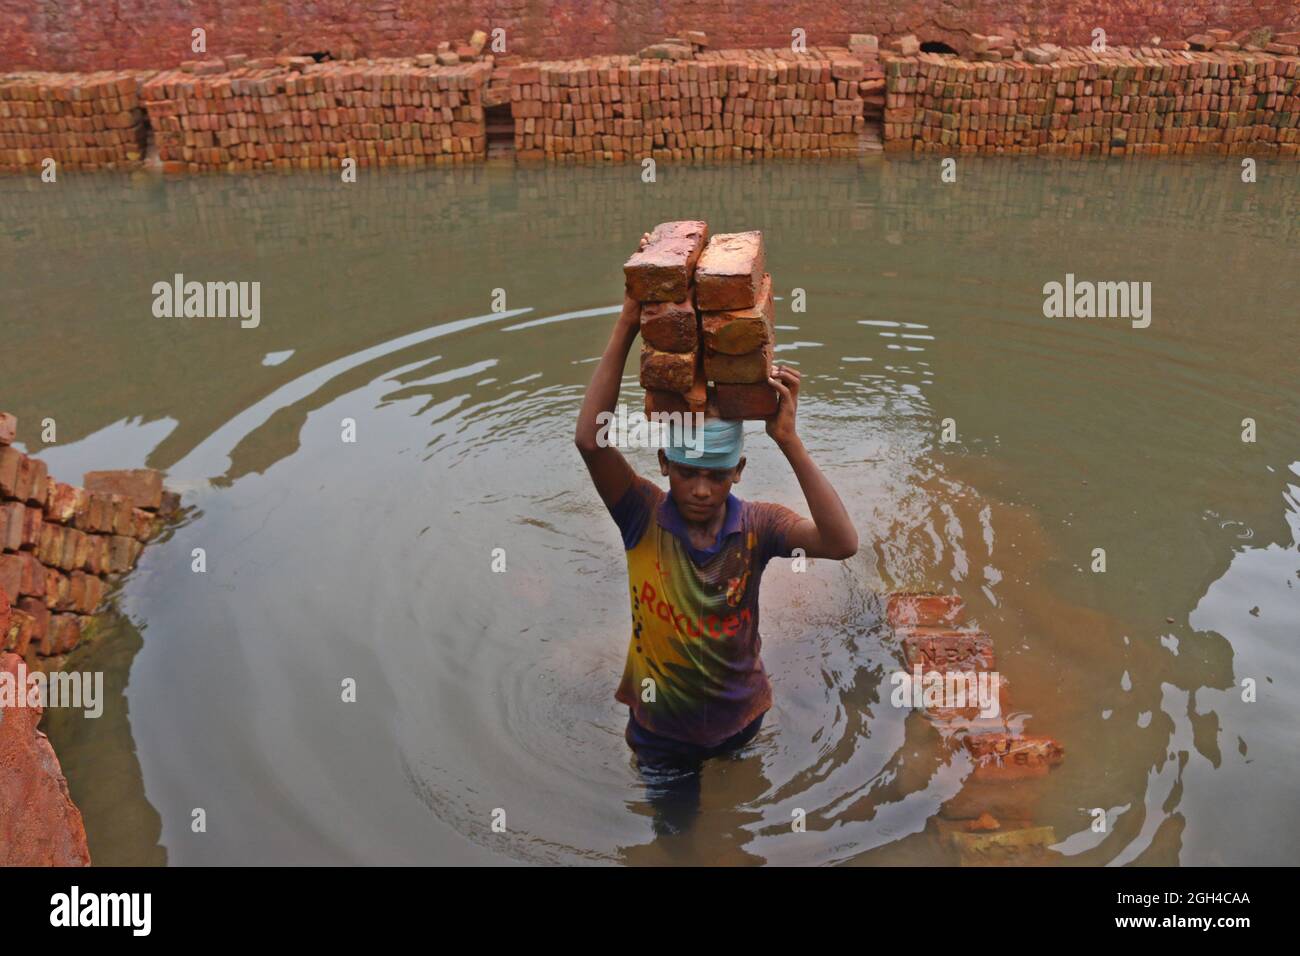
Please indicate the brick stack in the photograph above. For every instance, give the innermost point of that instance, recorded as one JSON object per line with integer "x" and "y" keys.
{"x": 80, "y": 120}
{"x": 1144, "y": 101}
{"x": 59, "y": 544}
{"x": 990, "y": 822}
{"x": 661, "y": 277}
{"x": 726, "y": 104}
{"x": 304, "y": 115}
{"x": 707, "y": 321}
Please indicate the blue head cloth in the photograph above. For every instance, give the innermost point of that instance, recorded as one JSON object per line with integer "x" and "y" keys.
{"x": 718, "y": 444}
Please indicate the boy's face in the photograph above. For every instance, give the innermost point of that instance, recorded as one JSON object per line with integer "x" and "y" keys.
{"x": 699, "y": 493}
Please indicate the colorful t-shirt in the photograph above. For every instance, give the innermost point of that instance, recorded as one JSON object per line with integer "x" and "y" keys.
{"x": 695, "y": 615}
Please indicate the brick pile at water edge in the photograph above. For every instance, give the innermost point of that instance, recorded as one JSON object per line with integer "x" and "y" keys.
{"x": 60, "y": 545}
{"x": 707, "y": 321}
{"x": 1145, "y": 101}
{"x": 80, "y": 120}
{"x": 991, "y": 820}
{"x": 294, "y": 113}
{"x": 725, "y": 104}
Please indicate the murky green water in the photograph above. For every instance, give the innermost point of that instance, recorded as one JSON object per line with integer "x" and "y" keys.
{"x": 476, "y": 691}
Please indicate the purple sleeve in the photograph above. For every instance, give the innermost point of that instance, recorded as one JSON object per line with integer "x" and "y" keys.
{"x": 632, "y": 513}
{"x": 771, "y": 523}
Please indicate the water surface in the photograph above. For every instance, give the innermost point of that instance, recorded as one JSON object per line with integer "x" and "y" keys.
{"x": 479, "y": 691}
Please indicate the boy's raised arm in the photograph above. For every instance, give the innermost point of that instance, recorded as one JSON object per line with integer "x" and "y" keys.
{"x": 830, "y": 533}
{"x": 610, "y": 472}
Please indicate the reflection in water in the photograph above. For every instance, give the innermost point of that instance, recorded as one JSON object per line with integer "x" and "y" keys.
{"x": 480, "y": 692}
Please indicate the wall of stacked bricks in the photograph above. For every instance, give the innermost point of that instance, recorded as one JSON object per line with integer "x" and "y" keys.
{"x": 991, "y": 820}
{"x": 118, "y": 34}
{"x": 61, "y": 545}
{"x": 1129, "y": 102}
{"x": 724, "y": 104}
{"x": 292, "y": 112}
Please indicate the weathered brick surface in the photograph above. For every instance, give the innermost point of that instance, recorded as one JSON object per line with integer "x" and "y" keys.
{"x": 669, "y": 371}
{"x": 737, "y": 331}
{"x": 730, "y": 272}
{"x": 670, "y": 326}
{"x": 142, "y": 487}
{"x": 1147, "y": 101}
{"x": 662, "y": 271}
{"x": 746, "y": 401}
{"x": 127, "y": 33}
{"x": 80, "y": 120}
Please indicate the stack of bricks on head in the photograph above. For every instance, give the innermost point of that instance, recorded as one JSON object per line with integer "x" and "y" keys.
{"x": 59, "y": 544}
{"x": 707, "y": 325}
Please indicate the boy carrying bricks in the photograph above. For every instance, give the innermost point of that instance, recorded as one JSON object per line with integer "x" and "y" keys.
{"x": 693, "y": 682}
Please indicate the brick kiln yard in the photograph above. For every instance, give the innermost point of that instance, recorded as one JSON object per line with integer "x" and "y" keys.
{"x": 679, "y": 101}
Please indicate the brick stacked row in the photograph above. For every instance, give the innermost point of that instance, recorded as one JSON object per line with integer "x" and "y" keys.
{"x": 707, "y": 323}
{"x": 60, "y": 544}
{"x": 1143, "y": 101}
{"x": 990, "y": 822}
{"x": 307, "y": 115}
{"x": 726, "y": 104}
{"x": 80, "y": 120}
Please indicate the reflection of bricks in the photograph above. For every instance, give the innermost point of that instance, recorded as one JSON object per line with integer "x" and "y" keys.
{"x": 58, "y": 587}
{"x": 64, "y": 635}
{"x": 746, "y": 401}
{"x": 11, "y": 575}
{"x": 730, "y": 272}
{"x": 661, "y": 272}
{"x": 1006, "y": 757}
{"x": 1022, "y": 847}
{"x": 925, "y": 610}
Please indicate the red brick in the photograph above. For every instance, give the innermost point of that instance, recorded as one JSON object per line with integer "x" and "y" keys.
{"x": 144, "y": 524}
{"x": 730, "y": 272}
{"x": 4, "y": 614}
{"x": 746, "y": 401}
{"x": 58, "y": 589}
{"x": 661, "y": 272}
{"x": 18, "y": 635}
{"x": 670, "y": 326}
{"x": 141, "y": 486}
{"x": 943, "y": 650}
{"x": 754, "y": 367}
{"x": 11, "y": 526}
{"x": 8, "y": 428}
{"x": 63, "y": 502}
{"x": 33, "y": 477}
{"x": 11, "y": 575}
{"x": 10, "y": 460}
{"x": 670, "y": 371}
{"x": 738, "y": 331}
{"x": 1007, "y": 757}
{"x": 40, "y": 614}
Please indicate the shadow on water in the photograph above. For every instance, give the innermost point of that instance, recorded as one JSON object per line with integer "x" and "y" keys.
{"x": 98, "y": 754}
{"x": 486, "y": 696}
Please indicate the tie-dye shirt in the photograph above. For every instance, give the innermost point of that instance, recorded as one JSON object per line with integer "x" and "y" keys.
{"x": 695, "y": 615}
